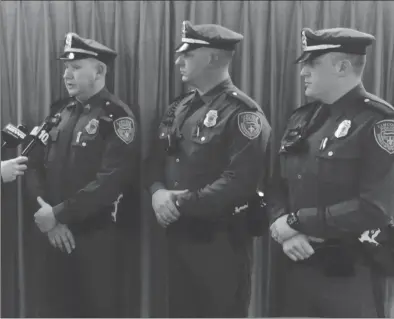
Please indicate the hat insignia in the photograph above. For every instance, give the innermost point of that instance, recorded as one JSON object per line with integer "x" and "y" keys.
{"x": 304, "y": 41}
{"x": 71, "y": 55}
{"x": 68, "y": 41}
{"x": 343, "y": 129}
{"x": 92, "y": 126}
{"x": 210, "y": 118}
{"x": 184, "y": 29}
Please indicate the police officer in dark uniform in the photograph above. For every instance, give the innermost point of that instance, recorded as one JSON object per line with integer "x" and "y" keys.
{"x": 81, "y": 178}
{"x": 211, "y": 145}
{"x": 335, "y": 180}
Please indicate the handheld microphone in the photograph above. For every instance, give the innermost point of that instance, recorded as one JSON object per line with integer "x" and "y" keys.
{"x": 40, "y": 134}
{"x": 12, "y": 136}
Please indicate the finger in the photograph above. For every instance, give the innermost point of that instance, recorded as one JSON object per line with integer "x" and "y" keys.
{"x": 52, "y": 241}
{"x": 161, "y": 221}
{"x": 174, "y": 212}
{"x": 316, "y": 239}
{"x": 70, "y": 238}
{"x": 66, "y": 243}
{"x": 22, "y": 167}
{"x": 41, "y": 201}
{"x": 307, "y": 248}
{"x": 179, "y": 192}
{"x": 295, "y": 252}
{"x": 19, "y": 173}
{"x": 59, "y": 243}
{"x": 163, "y": 216}
{"x": 21, "y": 159}
{"x": 291, "y": 255}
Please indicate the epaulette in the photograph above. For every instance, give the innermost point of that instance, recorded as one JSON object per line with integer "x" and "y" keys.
{"x": 182, "y": 96}
{"x": 379, "y": 104}
{"x": 59, "y": 104}
{"x": 237, "y": 94}
{"x": 115, "y": 110}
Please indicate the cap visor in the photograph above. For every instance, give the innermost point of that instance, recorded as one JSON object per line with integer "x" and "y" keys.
{"x": 182, "y": 47}
{"x": 304, "y": 56}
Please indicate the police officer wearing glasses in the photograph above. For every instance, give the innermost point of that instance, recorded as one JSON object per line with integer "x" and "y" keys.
{"x": 333, "y": 196}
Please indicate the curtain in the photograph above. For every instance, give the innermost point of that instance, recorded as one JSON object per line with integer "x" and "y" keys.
{"x": 145, "y": 34}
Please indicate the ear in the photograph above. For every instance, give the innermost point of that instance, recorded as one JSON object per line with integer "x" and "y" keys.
{"x": 100, "y": 70}
{"x": 343, "y": 67}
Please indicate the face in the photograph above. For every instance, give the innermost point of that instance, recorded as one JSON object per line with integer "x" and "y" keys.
{"x": 192, "y": 64}
{"x": 79, "y": 77}
{"x": 320, "y": 76}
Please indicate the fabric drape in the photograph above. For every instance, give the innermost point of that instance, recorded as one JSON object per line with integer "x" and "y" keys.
{"x": 145, "y": 34}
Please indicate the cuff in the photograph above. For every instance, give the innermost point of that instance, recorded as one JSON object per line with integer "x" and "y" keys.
{"x": 309, "y": 222}
{"x": 155, "y": 187}
{"x": 59, "y": 212}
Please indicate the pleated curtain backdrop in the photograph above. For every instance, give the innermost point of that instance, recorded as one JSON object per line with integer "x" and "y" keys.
{"x": 145, "y": 33}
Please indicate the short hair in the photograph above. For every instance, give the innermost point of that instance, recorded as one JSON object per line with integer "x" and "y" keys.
{"x": 356, "y": 60}
{"x": 224, "y": 56}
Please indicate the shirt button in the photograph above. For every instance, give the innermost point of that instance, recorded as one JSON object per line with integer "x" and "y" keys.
{"x": 330, "y": 153}
{"x": 235, "y": 93}
{"x": 366, "y": 100}
{"x": 299, "y": 176}
{"x": 83, "y": 144}
{"x": 203, "y": 138}
{"x": 177, "y": 160}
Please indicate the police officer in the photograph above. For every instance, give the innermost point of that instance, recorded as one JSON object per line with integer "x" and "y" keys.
{"x": 335, "y": 180}
{"x": 13, "y": 168}
{"x": 81, "y": 178}
{"x": 211, "y": 145}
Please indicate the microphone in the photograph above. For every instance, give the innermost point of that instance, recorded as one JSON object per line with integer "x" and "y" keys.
{"x": 12, "y": 136}
{"x": 40, "y": 134}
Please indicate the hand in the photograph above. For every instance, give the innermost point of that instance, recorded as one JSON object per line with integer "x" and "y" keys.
{"x": 298, "y": 247}
{"x": 163, "y": 203}
{"x": 61, "y": 237}
{"x": 12, "y": 168}
{"x": 281, "y": 231}
{"x": 44, "y": 217}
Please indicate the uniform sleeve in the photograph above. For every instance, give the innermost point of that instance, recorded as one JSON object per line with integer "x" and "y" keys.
{"x": 276, "y": 191}
{"x": 374, "y": 207}
{"x": 35, "y": 175}
{"x": 238, "y": 181}
{"x": 119, "y": 165}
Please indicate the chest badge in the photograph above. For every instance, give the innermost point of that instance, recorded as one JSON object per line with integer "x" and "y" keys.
{"x": 343, "y": 129}
{"x": 210, "y": 118}
{"x": 92, "y": 126}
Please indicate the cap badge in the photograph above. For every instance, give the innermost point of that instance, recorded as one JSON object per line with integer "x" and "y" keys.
{"x": 303, "y": 40}
{"x": 210, "y": 118}
{"x": 71, "y": 55}
{"x": 184, "y": 29}
{"x": 92, "y": 126}
{"x": 68, "y": 42}
{"x": 343, "y": 129}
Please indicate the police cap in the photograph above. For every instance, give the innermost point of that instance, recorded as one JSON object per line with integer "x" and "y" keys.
{"x": 77, "y": 48}
{"x": 207, "y": 35}
{"x": 315, "y": 43}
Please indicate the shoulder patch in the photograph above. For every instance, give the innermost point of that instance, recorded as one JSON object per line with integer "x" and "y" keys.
{"x": 384, "y": 135}
{"x": 125, "y": 129}
{"x": 250, "y": 124}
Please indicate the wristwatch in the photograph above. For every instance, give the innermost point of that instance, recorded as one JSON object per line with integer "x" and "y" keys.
{"x": 292, "y": 220}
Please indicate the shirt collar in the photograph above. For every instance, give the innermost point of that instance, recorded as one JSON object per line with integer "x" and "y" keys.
{"x": 216, "y": 90}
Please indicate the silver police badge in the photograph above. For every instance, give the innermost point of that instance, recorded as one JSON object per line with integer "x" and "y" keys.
{"x": 343, "y": 129}
{"x": 384, "y": 135}
{"x": 249, "y": 124}
{"x": 210, "y": 118}
{"x": 125, "y": 129}
{"x": 92, "y": 126}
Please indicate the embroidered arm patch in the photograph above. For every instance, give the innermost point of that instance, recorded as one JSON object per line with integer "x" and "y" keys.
{"x": 249, "y": 124}
{"x": 384, "y": 135}
{"x": 125, "y": 129}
